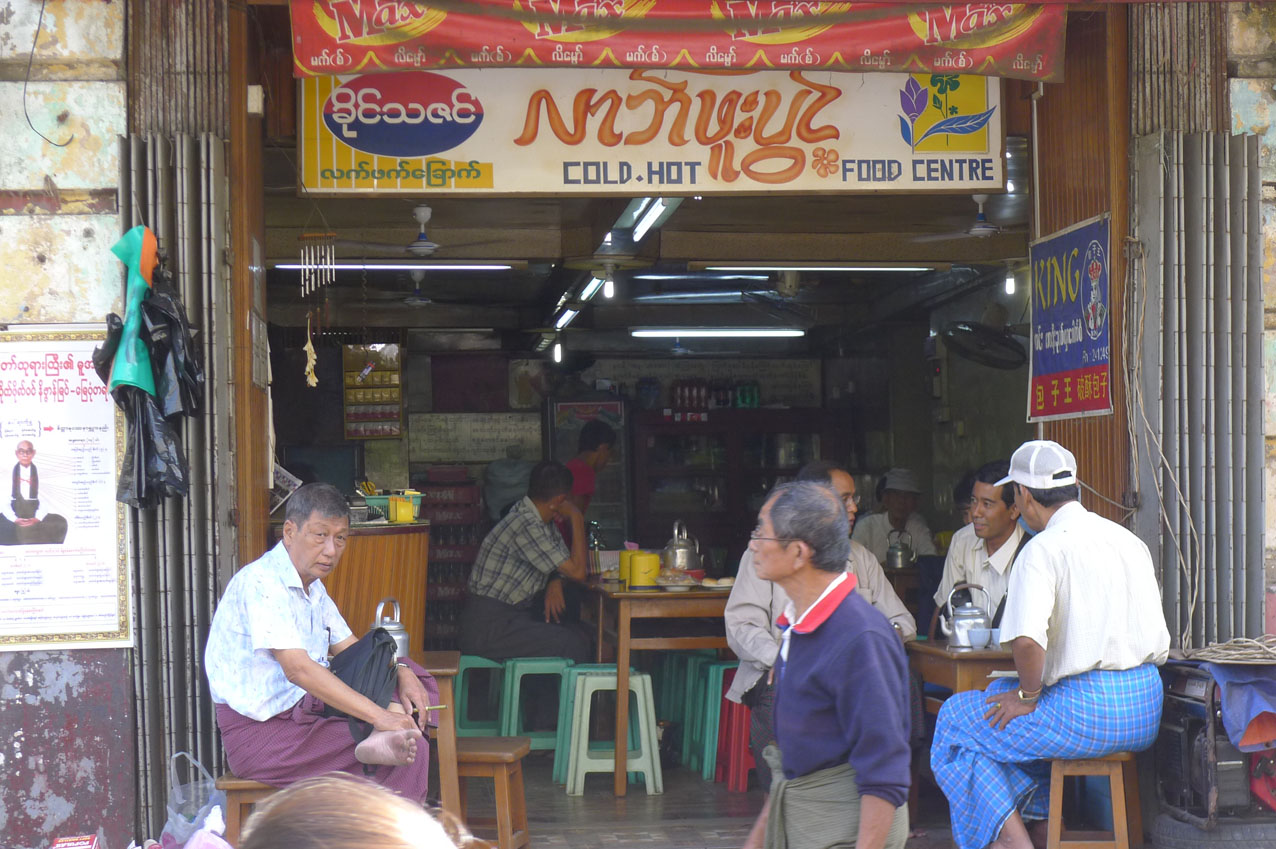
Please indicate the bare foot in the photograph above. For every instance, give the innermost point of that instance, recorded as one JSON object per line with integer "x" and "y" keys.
{"x": 388, "y": 748}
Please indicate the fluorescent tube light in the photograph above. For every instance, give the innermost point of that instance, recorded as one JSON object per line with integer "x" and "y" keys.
{"x": 713, "y": 332}
{"x": 703, "y": 295}
{"x": 393, "y": 266}
{"x": 591, "y": 288}
{"x": 648, "y": 219}
{"x": 901, "y": 268}
{"x": 565, "y": 318}
{"x": 693, "y": 276}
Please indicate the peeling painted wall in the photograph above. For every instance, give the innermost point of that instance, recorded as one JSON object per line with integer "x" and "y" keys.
{"x": 66, "y": 717}
{"x": 1251, "y": 53}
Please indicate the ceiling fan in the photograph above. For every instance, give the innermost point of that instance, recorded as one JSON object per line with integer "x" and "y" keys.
{"x": 980, "y": 228}
{"x": 422, "y": 246}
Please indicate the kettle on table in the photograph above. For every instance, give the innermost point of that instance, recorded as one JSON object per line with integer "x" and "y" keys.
{"x": 965, "y": 618}
{"x": 683, "y": 551}
{"x": 393, "y": 627}
{"x": 900, "y": 554}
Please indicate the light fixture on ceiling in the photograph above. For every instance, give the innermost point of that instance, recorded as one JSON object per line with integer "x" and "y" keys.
{"x": 714, "y": 332}
{"x": 400, "y": 266}
{"x": 704, "y": 295}
{"x": 1010, "y": 280}
{"x": 874, "y": 268}
{"x": 650, "y": 215}
{"x": 544, "y": 342}
{"x": 609, "y": 284}
{"x": 558, "y": 352}
{"x": 591, "y": 288}
{"x": 603, "y": 279}
{"x": 565, "y": 318}
{"x": 687, "y": 276}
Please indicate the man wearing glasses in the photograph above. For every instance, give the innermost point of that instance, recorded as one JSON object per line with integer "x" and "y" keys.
{"x": 755, "y": 604}
{"x": 267, "y": 663}
{"x": 841, "y": 706}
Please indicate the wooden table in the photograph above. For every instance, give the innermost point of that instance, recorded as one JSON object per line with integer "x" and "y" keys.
{"x": 957, "y": 670}
{"x": 443, "y": 666}
{"x": 626, "y": 606}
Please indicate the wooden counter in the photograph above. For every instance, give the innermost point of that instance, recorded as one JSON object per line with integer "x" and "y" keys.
{"x": 384, "y": 561}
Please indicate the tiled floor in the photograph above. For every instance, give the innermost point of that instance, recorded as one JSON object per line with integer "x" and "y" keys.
{"x": 690, "y": 814}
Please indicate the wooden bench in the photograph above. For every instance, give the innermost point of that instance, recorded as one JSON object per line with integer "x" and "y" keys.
{"x": 241, "y": 795}
{"x": 500, "y": 759}
{"x": 1127, "y": 816}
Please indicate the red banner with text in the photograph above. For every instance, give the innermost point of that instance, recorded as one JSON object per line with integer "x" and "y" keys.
{"x": 366, "y": 36}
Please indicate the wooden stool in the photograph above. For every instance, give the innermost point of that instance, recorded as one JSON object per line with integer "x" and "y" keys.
{"x": 1127, "y": 817}
{"x": 241, "y": 795}
{"x": 500, "y": 759}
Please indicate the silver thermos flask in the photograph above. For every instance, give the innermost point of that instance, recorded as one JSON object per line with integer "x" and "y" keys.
{"x": 402, "y": 640}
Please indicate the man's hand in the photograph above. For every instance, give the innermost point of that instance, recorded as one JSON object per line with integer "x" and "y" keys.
{"x": 1005, "y": 707}
{"x": 554, "y": 602}
{"x": 392, "y": 720}
{"x": 413, "y": 697}
{"x": 567, "y": 509}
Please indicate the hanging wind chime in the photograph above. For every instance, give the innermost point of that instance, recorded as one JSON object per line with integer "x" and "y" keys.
{"x": 318, "y": 254}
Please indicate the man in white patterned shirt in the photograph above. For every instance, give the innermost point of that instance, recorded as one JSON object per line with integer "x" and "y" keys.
{"x": 267, "y": 666}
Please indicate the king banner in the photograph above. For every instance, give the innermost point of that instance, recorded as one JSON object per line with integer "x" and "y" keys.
{"x": 1070, "y": 364}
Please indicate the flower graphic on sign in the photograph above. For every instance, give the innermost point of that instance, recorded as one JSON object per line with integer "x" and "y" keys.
{"x": 915, "y": 100}
{"x": 824, "y": 161}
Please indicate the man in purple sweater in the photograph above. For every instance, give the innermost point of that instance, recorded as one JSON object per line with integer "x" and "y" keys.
{"x": 841, "y": 707}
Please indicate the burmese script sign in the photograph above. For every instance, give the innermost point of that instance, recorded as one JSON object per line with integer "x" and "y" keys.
{"x": 592, "y": 132}
{"x": 1071, "y": 326}
{"x": 63, "y": 572}
{"x": 1014, "y": 40}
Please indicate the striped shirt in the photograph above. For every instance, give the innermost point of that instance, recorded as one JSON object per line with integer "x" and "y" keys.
{"x": 517, "y": 556}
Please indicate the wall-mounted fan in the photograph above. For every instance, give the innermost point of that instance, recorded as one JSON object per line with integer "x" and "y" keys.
{"x": 989, "y": 341}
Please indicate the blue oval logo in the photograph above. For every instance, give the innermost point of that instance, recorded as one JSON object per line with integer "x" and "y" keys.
{"x": 402, "y": 114}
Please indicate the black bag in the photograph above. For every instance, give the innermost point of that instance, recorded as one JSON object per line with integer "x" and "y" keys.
{"x": 368, "y": 667}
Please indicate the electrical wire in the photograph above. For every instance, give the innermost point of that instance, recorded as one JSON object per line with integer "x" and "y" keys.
{"x": 35, "y": 39}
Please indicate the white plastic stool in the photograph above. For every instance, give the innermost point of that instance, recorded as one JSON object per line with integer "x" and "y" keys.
{"x": 583, "y": 760}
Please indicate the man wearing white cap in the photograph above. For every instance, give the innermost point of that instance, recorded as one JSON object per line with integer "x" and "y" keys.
{"x": 900, "y": 498}
{"x": 1083, "y": 617}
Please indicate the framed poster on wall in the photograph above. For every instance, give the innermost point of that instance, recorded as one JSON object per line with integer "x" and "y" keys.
{"x": 64, "y": 577}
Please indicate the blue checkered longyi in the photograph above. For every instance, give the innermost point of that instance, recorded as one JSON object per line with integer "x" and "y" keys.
{"x": 987, "y": 773}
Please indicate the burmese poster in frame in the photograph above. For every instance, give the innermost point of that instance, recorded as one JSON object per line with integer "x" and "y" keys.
{"x": 64, "y": 577}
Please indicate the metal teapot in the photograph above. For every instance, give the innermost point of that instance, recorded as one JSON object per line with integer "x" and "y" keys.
{"x": 899, "y": 554}
{"x": 402, "y": 640}
{"x": 965, "y": 617}
{"x": 683, "y": 551}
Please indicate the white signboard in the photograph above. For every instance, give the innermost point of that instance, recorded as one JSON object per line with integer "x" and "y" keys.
{"x": 642, "y": 132}
{"x": 63, "y": 569}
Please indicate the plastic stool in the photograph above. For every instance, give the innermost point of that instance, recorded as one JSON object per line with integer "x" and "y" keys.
{"x": 706, "y": 701}
{"x": 466, "y": 727}
{"x": 735, "y": 758}
{"x": 566, "y": 709}
{"x": 582, "y": 759}
{"x": 692, "y": 709}
{"x": 1127, "y": 818}
{"x": 516, "y": 668}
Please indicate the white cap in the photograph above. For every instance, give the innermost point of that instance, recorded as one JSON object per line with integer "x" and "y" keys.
{"x": 1041, "y": 464}
{"x": 902, "y": 480}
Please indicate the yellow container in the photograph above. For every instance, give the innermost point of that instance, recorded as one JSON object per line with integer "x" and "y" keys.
{"x": 401, "y": 509}
{"x": 626, "y": 558}
{"x": 644, "y": 569}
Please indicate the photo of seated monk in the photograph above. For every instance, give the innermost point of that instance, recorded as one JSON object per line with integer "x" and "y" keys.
{"x": 23, "y": 522}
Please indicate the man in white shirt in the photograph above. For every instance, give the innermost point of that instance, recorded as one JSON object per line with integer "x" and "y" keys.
{"x": 23, "y": 522}
{"x": 267, "y": 664}
{"x": 900, "y": 496}
{"x": 1083, "y": 617}
{"x": 755, "y": 604}
{"x": 983, "y": 552}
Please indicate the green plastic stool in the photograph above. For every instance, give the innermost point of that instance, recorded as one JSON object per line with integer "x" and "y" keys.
{"x": 584, "y": 759}
{"x": 466, "y": 727}
{"x": 516, "y": 668}
{"x": 707, "y": 703}
{"x": 566, "y": 708}
{"x": 692, "y": 698}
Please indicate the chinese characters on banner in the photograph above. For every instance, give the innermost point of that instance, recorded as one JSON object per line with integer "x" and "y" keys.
{"x": 1012, "y": 40}
{"x": 63, "y": 567}
{"x": 634, "y": 133}
{"x": 1069, "y": 375}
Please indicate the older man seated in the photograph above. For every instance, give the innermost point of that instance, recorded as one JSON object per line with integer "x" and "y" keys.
{"x": 267, "y": 664}
{"x": 1083, "y": 617}
{"x": 841, "y": 707}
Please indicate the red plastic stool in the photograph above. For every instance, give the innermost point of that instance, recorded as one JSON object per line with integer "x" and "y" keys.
{"x": 735, "y": 759}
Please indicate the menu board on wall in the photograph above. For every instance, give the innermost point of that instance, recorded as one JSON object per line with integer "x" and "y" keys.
{"x": 63, "y": 567}
{"x": 472, "y": 437}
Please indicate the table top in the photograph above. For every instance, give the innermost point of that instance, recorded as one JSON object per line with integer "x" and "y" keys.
{"x": 937, "y": 648}
{"x": 612, "y": 591}
{"x": 442, "y": 662}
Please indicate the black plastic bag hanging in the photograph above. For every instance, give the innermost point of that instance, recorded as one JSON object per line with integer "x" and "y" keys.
{"x": 175, "y": 358}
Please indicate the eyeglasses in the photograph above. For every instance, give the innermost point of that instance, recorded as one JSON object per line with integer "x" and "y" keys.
{"x": 757, "y": 534}
{"x": 852, "y": 499}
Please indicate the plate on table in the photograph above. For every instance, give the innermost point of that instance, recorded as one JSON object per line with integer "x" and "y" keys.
{"x": 678, "y": 588}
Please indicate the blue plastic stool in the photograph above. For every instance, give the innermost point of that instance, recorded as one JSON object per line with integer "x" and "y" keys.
{"x": 566, "y": 710}
{"x": 693, "y": 702}
{"x": 466, "y": 727}
{"x": 516, "y": 668}
{"x": 583, "y": 758}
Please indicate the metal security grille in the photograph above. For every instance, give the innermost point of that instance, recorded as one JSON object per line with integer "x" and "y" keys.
{"x": 178, "y": 187}
{"x": 1195, "y": 333}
